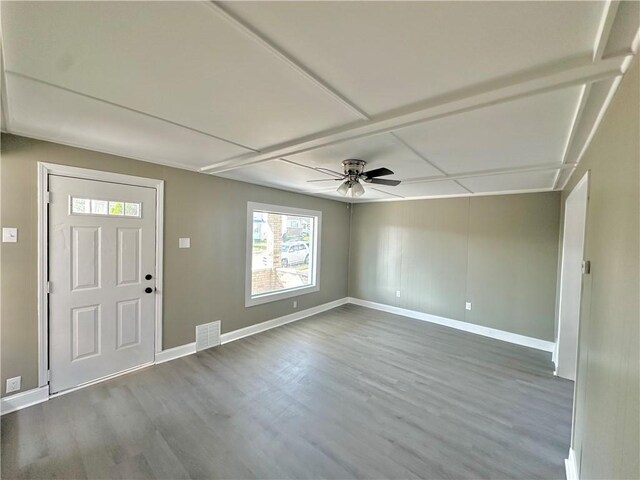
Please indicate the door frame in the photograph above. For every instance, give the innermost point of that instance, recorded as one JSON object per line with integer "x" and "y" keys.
{"x": 46, "y": 169}
{"x": 583, "y": 182}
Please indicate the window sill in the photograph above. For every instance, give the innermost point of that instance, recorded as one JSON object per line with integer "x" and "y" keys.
{"x": 252, "y": 301}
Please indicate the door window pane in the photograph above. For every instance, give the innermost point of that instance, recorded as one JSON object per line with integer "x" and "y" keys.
{"x": 116, "y": 208}
{"x": 80, "y": 205}
{"x": 99, "y": 207}
{"x": 132, "y": 209}
{"x": 95, "y": 206}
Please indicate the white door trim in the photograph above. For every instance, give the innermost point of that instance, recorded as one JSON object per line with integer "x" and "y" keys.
{"x": 570, "y": 463}
{"x": 583, "y": 183}
{"x": 46, "y": 169}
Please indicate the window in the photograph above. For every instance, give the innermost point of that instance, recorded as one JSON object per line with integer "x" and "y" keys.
{"x": 92, "y": 206}
{"x": 283, "y": 252}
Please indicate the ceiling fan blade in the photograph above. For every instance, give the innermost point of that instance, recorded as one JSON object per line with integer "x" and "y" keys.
{"x": 325, "y": 180}
{"x": 378, "y": 172}
{"x": 328, "y": 171}
{"x": 381, "y": 181}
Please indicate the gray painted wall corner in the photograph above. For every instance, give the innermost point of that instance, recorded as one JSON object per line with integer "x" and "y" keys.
{"x": 498, "y": 252}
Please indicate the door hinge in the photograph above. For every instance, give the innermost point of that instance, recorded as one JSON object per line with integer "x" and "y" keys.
{"x": 47, "y": 197}
{"x": 49, "y": 375}
{"x": 49, "y": 287}
{"x": 586, "y": 267}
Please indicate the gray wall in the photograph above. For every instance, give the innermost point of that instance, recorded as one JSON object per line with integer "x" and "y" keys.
{"x": 201, "y": 284}
{"x": 498, "y": 252}
{"x": 607, "y": 423}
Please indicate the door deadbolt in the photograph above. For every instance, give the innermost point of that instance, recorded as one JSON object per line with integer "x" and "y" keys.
{"x": 148, "y": 276}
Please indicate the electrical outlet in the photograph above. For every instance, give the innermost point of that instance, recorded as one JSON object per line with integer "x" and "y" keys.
{"x": 13, "y": 384}
{"x": 467, "y": 305}
{"x": 295, "y": 304}
{"x": 398, "y": 293}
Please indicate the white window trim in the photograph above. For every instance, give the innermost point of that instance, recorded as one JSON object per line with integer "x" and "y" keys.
{"x": 252, "y": 300}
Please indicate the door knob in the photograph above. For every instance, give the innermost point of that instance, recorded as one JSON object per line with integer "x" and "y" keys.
{"x": 148, "y": 289}
{"x": 148, "y": 276}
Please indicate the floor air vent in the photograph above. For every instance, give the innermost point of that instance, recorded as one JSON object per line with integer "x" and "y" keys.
{"x": 207, "y": 335}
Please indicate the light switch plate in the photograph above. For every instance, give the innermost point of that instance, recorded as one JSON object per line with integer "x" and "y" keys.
{"x": 9, "y": 235}
{"x": 184, "y": 242}
{"x": 467, "y": 305}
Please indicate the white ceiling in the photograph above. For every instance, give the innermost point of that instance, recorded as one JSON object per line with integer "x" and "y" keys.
{"x": 456, "y": 98}
{"x": 383, "y": 55}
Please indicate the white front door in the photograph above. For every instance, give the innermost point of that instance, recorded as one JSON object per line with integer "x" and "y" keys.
{"x": 102, "y": 267}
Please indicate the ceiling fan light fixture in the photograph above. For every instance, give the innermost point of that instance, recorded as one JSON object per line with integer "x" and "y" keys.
{"x": 354, "y": 173}
{"x": 357, "y": 189}
{"x": 344, "y": 188}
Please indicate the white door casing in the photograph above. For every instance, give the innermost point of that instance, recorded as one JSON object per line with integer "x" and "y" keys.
{"x": 575, "y": 218}
{"x": 101, "y": 320}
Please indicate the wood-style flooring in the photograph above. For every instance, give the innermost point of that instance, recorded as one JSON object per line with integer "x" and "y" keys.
{"x": 349, "y": 393}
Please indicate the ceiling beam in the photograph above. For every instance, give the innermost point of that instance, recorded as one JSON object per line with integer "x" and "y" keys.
{"x": 577, "y": 117}
{"x": 594, "y": 98}
{"x": 609, "y": 12}
{"x": 593, "y": 118}
{"x": 395, "y": 120}
{"x": 279, "y": 52}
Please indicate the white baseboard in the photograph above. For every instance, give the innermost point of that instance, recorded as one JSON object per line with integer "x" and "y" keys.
{"x": 571, "y": 466}
{"x": 24, "y": 399}
{"x": 276, "y": 322}
{"x": 176, "y": 352}
{"x": 458, "y": 325}
{"x": 41, "y": 394}
{"x": 38, "y": 395}
{"x": 190, "y": 348}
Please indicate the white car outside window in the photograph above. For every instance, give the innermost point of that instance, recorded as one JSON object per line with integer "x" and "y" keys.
{"x": 294, "y": 253}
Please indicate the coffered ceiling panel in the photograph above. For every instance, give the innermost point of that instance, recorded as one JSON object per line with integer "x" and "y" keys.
{"x": 510, "y": 182}
{"x": 529, "y": 131}
{"x": 428, "y": 189}
{"x": 383, "y": 55}
{"x": 284, "y": 175}
{"x": 48, "y": 113}
{"x": 176, "y": 60}
{"x": 378, "y": 151}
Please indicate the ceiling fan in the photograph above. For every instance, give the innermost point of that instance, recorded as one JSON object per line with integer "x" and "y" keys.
{"x": 354, "y": 173}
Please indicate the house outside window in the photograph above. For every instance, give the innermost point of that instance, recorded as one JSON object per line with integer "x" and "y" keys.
{"x": 283, "y": 247}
